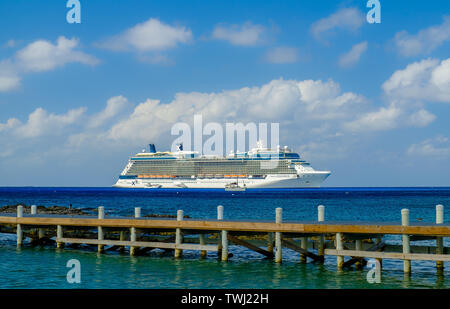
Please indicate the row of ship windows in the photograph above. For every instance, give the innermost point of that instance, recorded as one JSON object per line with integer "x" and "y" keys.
{"x": 221, "y": 168}
{"x": 213, "y": 170}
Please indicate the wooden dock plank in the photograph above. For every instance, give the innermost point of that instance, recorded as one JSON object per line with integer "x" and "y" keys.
{"x": 389, "y": 255}
{"x": 159, "y": 245}
{"x": 213, "y": 225}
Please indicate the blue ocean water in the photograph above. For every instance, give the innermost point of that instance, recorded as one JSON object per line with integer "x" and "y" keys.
{"x": 38, "y": 267}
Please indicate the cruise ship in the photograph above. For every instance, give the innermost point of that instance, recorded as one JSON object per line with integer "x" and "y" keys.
{"x": 258, "y": 168}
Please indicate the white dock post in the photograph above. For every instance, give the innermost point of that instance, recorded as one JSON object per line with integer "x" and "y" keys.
{"x": 321, "y": 213}
{"x": 223, "y": 236}
{"x": 137, "y": 214}
{"x": 33, "y": 211}
{"x": 220, "y": 212}
{"x": 39, "y": 230}
{"x": 440, "y": 239}
{"x": 278, "y": 220}
{"x": 224, "y": 246}
{"x": 405, "y": 241}
{"x": 203, "y": 253}
{"x": 41, "y": 233}
{"x": 178, "y": 252}
{"x": 19, "y": 231}
{"x": 358, "y": 245}
{"x": 219, "y": 235}
{"x": 122, "y": 238}
{"x": 59, "y": 235}
{"x": 304, "y": 246}
{"x": 101, "y": 216}
{"x": 321, "y": 218}
{"x": 339, "y": 247}
{"x": 132, "y": 238}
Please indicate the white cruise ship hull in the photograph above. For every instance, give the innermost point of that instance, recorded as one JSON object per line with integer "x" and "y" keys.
{"x": 303, "y": 180}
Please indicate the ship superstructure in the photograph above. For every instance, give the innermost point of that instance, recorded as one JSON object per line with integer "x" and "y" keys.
{"x": 258, "y": 168}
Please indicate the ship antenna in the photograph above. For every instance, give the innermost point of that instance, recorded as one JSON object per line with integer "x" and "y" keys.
{"x": 259, "y": 144}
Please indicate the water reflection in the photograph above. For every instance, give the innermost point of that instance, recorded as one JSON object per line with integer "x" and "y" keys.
{"x": 276, "y": 274}
{"x": 406, "y": 280}
{"x": 440, "y": 280}
{"x": 41, "y": 267}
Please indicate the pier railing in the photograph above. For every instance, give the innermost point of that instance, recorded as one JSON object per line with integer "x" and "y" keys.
{"x": 311, "y": 239}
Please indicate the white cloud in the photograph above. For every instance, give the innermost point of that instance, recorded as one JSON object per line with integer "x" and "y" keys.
{"x": 113, "y": 107}
{"x": 435, "y": 147}
{"x": 391, "y": 117}
{"x": 151, "y": 35}
{"x": 352, "y": 57}
{"x": 386, "y": 118}
{"x": 407, "y": 92}
{"x": 9, "y": 78}
{"x": 247, "y": 34}
{"x": 425, "y": 41}
{"x": 40, "y": 122}
{"x": 8, "y": 82}
{"x": 10, "y": 124}
{"x": 324, "y": 100}
{"x": 409, "y": 78}
{"x": 316, "y": 118}
{"x": 142, "y": 124}
{"x": 427, "y": 80}
{"x": 302, "y": 104}
{"x": 42, "y": 55}
{"x": 317, "y": 107}
{"x": 349, "y": 19}
{"x": 281, "y": 55}
{"x": 326, "y": 149}
{"x": 421, "y": 118}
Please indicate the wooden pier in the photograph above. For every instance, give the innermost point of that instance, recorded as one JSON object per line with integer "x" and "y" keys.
{"x": 350, "y": 242}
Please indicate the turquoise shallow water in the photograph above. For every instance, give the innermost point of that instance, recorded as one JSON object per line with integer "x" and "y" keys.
{"x": 46, "y": 267}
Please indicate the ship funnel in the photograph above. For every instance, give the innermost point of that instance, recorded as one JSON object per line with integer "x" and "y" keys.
{"x": 152, "y": 148}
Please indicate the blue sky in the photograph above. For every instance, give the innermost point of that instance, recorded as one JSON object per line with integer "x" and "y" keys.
{"x": 370, "y": 102}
